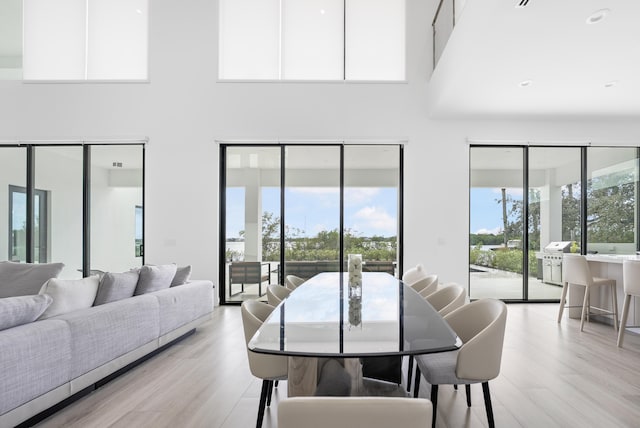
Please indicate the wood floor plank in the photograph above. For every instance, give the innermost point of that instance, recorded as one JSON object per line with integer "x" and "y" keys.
{"x": 552, "y": 375}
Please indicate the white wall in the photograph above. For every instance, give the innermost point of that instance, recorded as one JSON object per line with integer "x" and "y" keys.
{"x": 183, "y": 110}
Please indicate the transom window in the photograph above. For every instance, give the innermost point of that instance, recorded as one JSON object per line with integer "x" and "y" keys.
{"x": 312, "y": 40}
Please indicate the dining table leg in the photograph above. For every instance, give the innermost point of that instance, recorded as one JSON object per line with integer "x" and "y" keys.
{"x": 302, "y": 378}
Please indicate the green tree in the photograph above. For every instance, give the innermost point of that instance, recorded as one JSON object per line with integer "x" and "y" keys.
{"x": 610, "y": 208}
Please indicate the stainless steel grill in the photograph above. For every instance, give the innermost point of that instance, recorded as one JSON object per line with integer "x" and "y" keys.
{"x": 552, "y": 261}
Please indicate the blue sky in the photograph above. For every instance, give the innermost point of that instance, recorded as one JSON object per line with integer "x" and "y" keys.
{"x": 368, "y": 210}
{"x": 486, "y": 210}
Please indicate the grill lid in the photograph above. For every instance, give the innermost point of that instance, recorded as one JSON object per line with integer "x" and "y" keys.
{"x": 558, "y": 247}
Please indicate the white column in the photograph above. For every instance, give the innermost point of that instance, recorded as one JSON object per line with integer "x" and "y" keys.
{"x": 252, "y": 216}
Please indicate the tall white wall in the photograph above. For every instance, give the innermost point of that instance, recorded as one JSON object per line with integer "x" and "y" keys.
{"x": 183, "y": 110}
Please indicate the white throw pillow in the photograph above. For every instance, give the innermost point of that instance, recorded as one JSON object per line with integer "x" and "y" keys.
{"x": 69, "y": 294}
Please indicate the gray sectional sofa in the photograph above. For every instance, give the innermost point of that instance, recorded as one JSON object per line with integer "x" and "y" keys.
{"x": 45, "y": 362}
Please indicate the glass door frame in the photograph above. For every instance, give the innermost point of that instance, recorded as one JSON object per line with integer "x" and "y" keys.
{"x": 282, "y": 145}
{"x": 525, "y": 210}
{"x": 31, "y": 191}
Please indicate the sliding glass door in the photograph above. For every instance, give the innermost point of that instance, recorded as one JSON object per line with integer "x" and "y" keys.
{"x": 79, "y": 204}
{"x": 312, "y": 210}
{"x": 554, "y": 216}
{"x": 372, "y": 205}
{"x": 296, "y": 209}
{"x": 612, "y": 212}
{"x": 577, "y": 200}
{"x": 496, "y": 223}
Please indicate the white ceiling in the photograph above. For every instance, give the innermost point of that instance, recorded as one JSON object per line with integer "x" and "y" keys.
{"x": 495, "y": 46}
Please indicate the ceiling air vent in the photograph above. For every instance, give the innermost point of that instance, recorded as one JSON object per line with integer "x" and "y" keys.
{"x": 522, "y": 3}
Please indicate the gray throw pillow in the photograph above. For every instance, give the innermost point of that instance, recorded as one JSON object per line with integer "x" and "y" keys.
{"x": 26, "y": 279}
{"x": 116, "y": 286}
{"x": 182, "y": 276}
{"x": 154, "y": 278}
{"x": 15, "y": 311}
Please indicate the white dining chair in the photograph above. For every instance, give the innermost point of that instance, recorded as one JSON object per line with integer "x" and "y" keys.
{"x": 349, "y": 412}
{"x": 276, "y": 293}
{"x": 445, "y": 300}
{"x": 427, "y": 285}
{"x": 631, "y": 285}
{"x": 480, "y": 325}
{"x": 448, "y": 298}
{"x": 576, "y": 271}
{"x": 413, "y": 275}
{"x": 292, "y": 282}
{"x": 269, "y": 368}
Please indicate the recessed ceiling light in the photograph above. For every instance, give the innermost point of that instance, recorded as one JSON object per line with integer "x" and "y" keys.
{"x": 598, "y": 16}
{"x": 322, "y": 11}
{"x": 611, "y": 84}
{"x": 525, "y": 83}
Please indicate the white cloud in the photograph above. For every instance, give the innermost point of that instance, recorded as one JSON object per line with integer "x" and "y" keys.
{"x": 374, "y": 220}
{"x": 360, "y": 195}
{"x": 495, "y": 231}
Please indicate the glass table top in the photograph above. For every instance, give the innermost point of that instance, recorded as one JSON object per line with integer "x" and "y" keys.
{"x": 325, "y": 317}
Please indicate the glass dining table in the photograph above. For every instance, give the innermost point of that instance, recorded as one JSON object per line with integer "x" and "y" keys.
{"x": 325, "y": 317}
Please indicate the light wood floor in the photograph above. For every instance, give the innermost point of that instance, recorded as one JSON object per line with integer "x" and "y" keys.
{"x": 552, "y": 376}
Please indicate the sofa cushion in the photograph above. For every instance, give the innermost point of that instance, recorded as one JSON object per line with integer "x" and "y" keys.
{"x": 154, "y": 278}
{"x": 15, "y": 311}
{"x": 69, "y": 294}
{"x": 116, "y": 286}
{"x": 182, "y": 276}
{"x": 102, "y": 333}
{"x": 25, "y": 279}
{"x": 35, "y": 359}
{"x": 181, "y": 305}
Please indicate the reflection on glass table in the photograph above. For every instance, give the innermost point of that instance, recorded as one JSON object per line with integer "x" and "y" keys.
{"x": 320, "y": 320}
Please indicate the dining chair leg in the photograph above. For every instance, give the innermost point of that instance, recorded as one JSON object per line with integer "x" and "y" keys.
{"x": 565, "y": 286}
{"x": 276, "y": 384}
{"x": 434, "y": 404}
{"x": 467, "y": 390}
{"x": 585, "y": 307}
{"x": 487, "y": 404}
{"x": 623, "y": 321}
{"x": 263, "y": 401}
{"x": 269, "y": 393}
{"x": 455, "y": 386}
{"x": 409, "y": 373}
{"x": 416, "y": 385}
{"x": 614, "y": 307}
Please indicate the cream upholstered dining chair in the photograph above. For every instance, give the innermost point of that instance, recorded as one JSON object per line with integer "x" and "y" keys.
{"x": 413, "y": 275}
{"x": 292, "y": 282}
{"x": 269, "y": 368}
{"x": 575, "y": 270}
{"x": 276, "y": 293}
{"x": 480, "y": 325}
{"x": 631, "y": 285}
{"x": 427, "y": 285}
{"x": 447, "y": 299}
{"x": 349, "y": 412}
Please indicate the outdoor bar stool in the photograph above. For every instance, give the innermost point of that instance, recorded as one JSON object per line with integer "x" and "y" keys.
{"x": 631, "y": 284}
{"x": 575, "y": 270}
